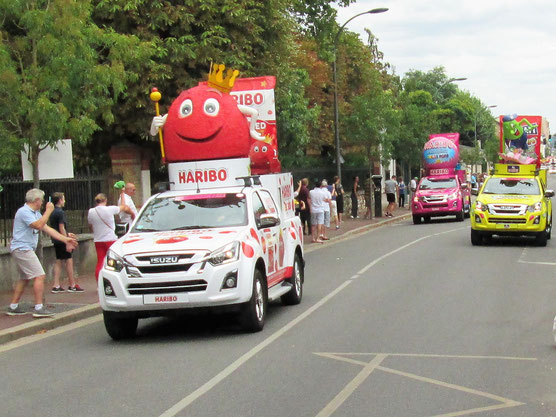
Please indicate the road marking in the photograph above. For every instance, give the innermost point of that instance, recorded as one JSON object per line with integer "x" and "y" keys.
{"x": 374, "y": 364}
{"x": 380, "y": 258}
{"x": 537, "y": 263}
{"x": 181, "y": 405}
{"x": 206, "y": 387}
{"x": 40, "y": 336}
{"x": 343, "y": 395}
{"x": 337, "y": 355}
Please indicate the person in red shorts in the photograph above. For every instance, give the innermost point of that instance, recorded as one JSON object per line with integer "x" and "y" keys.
{"x": 101, "y": 221}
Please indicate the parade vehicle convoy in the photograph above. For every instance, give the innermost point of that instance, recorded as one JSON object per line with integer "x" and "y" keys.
{"x": 443, "y": 190}
{"x": 232, "y": 242}
{"x": 513, "y": 201}
{"x": 220, "y": 238}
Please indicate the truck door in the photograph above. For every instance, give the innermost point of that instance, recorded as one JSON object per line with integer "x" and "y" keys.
{"x": 272, "y": 243}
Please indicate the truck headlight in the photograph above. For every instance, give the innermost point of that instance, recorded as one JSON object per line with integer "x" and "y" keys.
{"x": 454, "y": 196}
{"x": 225, "y": 254}
{"x": 535, "y": 207}
{"x": 114, "y": 262}
{"x": 481, "y": 206}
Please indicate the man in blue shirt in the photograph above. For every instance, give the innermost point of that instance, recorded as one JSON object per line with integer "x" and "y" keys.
{"x": 28, "y": 222}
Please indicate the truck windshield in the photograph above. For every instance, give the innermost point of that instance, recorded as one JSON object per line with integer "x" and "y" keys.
{"x": 437, "y": 183}
{"x": 512, "y": 186}
{"x": 193, "y": 212}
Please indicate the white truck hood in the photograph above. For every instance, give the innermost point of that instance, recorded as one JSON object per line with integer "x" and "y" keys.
{"x": 178, "y": 240}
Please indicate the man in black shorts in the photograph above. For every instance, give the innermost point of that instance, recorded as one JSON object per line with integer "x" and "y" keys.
{"x": 58, "y": 222}
{"x": 391, "y": 189}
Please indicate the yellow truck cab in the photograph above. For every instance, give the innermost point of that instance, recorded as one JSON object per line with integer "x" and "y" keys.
{"x": 513, "y": 201}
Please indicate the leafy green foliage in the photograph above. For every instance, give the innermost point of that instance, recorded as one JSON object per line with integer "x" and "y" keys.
{"x": 64, "y": 73}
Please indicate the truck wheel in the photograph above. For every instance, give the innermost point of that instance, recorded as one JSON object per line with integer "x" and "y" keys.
{"x": 476, "y": 238}
{"x": 460, "y": 215}
{"x": 294, "y": 296}
{"x": 416, "y": 219}
{"x": 253, "y": 312}
{"x": 541, "y": 238}
{"x": 119, "y": 327}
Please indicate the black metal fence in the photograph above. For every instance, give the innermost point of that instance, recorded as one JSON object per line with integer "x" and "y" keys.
{"x": 79, "y": 193}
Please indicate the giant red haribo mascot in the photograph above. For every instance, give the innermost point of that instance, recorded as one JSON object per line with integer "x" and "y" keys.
{"x": 205, "y": 122}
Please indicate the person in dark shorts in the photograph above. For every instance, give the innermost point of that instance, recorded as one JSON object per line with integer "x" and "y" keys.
{"x": 339, "y": 198}
{"x": 304, "y": 210}
{"x": 391, "y": 189}
{"x": 354, "y": 200}
{"x": 58, "y": 222}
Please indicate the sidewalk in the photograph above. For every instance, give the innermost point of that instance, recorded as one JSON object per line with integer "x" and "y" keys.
{"x": 71, "y": 307}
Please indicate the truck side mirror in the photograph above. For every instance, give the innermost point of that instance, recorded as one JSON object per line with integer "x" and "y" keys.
{"x": 464, "y": 185}
{"x": 549, "y": 193}
{"x": 268, "y": 220}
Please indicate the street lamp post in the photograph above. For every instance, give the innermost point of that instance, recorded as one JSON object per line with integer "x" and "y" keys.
{"x": 334, "y": 81}
{"x": 450, "y": 80}
{"x": 476, "y": 116}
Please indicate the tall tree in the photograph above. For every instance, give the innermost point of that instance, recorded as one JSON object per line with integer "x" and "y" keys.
{"x": 63, "y": 71}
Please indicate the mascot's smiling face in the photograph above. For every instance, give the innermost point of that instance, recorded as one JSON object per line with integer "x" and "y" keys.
{"x": 204, "y": 123}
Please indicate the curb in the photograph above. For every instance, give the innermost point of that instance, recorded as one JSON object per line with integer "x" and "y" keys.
{"x": 42, "y": 325}
{"x": 359, "y": 230}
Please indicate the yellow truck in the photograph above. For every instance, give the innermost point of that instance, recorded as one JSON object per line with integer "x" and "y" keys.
{"x": 513, "y": 201}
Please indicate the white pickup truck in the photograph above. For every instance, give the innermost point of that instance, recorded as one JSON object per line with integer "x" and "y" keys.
{"x": 215, "y": 239}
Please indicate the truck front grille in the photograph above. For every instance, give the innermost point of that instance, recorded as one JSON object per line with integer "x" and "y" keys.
{"x": 507, "y": 209}
{"x": 167, "y": 287}
{"x": 507, "y": 220}
{"x": 161, "y": 269}
{"x": 431, "y": 206}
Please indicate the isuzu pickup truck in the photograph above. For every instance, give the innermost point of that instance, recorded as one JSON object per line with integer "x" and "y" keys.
{"x": 513, "y": 201}
{"x": 219, "y": 238}
{"x": 441, "y": 195}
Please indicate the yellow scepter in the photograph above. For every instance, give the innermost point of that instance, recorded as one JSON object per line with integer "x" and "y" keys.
{"x": 156, "y": 96}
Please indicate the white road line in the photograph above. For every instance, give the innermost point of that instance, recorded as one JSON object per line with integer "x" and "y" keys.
{"x": 505, "y": 402}
{"x": 206, "y": 387}
{"x": 374, "y": 364}
{"x": 380, "y": 258}
{"x": 343, "y": 395}
{"x": 537, "y": 263}
{"x": 342, "y": 355}
{"x": 181, "y": 405}
{"x": 37, "y": 337}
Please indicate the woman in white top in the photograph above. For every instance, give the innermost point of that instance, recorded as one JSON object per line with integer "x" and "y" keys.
{"x": 101, "y": 221}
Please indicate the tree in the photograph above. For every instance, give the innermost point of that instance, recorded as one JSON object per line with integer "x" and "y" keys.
{"x": 63, "y": 73}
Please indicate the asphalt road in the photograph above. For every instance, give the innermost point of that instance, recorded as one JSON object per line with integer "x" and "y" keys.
{"x": 402, "y": 321}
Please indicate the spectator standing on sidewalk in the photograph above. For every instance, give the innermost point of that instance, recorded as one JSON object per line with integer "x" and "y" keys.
{"x": 101, "y": 221}
{"x": 125, "y": 200}
{"x": 391, "y": 189}
{"x": 326, "y": 207}
{"x": 412, "y": 189}
{"x": 368, "y": 192}
{"x": 401, "y": 190}
{"x": 305, "y": 211}
{"x": 28, "y": 222}
{"x": 354, "y": 201}
{"x": 59, "y": 223}
{"x": 316, "y": 203}
{"x": 333, "y": 205}
{"x": 339, "y": 189}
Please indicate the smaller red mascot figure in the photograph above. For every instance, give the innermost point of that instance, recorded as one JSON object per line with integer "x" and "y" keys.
{"x": 205, "y": 122}
{"x": 264, "y": 158}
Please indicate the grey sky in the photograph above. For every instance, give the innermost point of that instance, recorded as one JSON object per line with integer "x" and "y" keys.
{"x": 505, "y": 49}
